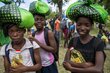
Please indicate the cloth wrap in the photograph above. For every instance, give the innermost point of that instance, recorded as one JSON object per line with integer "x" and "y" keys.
{"x": 39, "y": 7}
{"x": 10, "y": 13}
{"x": 89, "y": 9}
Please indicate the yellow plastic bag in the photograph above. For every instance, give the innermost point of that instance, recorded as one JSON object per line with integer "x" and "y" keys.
{"x": 76, "y": 56}
{"x": 16, "y": 61}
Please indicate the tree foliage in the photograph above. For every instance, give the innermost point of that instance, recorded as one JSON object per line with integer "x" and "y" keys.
{"x": 108, "y": 23}
{"x": 52, "y": 15}
{"x": 59, "y": 4}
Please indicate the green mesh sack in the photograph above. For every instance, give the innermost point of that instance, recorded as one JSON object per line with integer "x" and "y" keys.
{"x": 39, "y": 7}
{"x": 102, "y": 12}
{"x": 10, "y": 13}
{"x": 6, "y": 1}
{"x": 86, "y": 8}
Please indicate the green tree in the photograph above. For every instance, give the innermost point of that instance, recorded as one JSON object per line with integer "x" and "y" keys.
{"x": 59, "y": 4}
{"x": 106, "y": 4}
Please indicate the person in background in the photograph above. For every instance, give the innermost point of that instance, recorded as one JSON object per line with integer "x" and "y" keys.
{"x": 103, "y": 34}
{"x": 65, "y": 31}
{"x": 57, "y": 29}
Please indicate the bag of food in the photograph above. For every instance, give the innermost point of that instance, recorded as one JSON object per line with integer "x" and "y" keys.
{"x": 76, "y": 56}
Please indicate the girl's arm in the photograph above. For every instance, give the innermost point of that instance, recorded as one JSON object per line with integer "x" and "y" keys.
{"x": 81, "y": 65}
{"x": 67, "y": 56}
{"x": 52, "y": 41}
{"x": 78, "y": 65}
{"x": 6, "y": 65}
{"x": 97, "y": 68}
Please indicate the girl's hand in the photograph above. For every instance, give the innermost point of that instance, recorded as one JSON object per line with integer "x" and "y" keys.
{"x": 67, "y": 66}
{"x": 19, "y": 69}
{"x": 31, "y": 38}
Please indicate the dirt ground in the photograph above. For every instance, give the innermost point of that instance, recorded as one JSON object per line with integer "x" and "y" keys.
{"x": 1, "y": 65}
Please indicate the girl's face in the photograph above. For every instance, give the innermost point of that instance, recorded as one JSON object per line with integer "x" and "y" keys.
{"x": 83, "y": 26}
{"x": 16, "y": 34}
{"x": 39, "y": 22}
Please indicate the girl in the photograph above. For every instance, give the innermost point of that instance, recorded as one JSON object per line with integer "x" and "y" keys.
{"x": 90, "y": 54}
{"x": 17, "y": 56}
{"x": 94, "y": 59}
{"x": 46, "y": 51}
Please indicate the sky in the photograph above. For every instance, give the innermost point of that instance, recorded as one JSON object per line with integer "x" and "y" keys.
{"x": 27, "y": 3}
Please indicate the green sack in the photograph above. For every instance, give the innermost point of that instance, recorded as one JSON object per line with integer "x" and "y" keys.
{"x": 10, "y": 13}
{"x": 39, "y": 7}
{"x": 6, "y": 1}
{"x": 87, "y": 8}
{"x": 27, "y": 18}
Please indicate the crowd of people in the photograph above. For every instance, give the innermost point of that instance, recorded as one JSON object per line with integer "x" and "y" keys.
{"x": 38, "y": 53}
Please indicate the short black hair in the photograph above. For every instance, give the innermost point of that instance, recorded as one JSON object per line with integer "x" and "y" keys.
{"x": 39, "y": 14}
{"x": 90, "y": 19}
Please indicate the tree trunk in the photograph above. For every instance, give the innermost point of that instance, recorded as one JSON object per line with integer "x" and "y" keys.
{"x": 60, "y": 3}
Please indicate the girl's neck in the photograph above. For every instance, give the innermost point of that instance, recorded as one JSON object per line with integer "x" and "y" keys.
{"x": 40, "y": 30}
{"x": 18, "y": 46}
{"x": 85, "y": 39}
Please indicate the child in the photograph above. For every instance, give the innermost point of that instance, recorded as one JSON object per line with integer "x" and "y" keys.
{"x": 17, "y": 56}
{"x": 47, "y": 58}
{"x": 90, "y": 54}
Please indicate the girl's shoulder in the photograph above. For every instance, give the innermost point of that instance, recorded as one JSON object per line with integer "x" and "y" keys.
{"x": 98, "y": 43}
{"x": 2, "y": 49}
{"x": 73, "y": 41}
{"x": 96, "y": 39}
